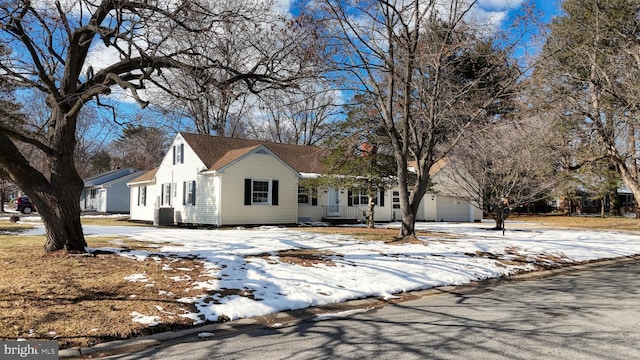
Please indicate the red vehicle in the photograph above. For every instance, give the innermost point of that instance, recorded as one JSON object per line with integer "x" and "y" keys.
{"x": 24, "y": 205}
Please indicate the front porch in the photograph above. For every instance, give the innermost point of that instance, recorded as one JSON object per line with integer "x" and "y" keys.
{"x": 335, "y": 215}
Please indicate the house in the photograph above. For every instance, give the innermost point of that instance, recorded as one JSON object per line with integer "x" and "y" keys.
{"x": 226, "y": 181}
{"x": 108, "y": 192}
{"x": 584, "y": 201}
{"x": 443, "y": 202}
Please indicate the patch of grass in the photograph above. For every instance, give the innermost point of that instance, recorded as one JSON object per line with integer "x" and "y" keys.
{"x": 386, "y": 235}
{"x": 7, "y": 226}
{"x": 581, "y": 222}
{"x": 301, "y": 257}
{"x": 110, "y": 221}
{"x": 81, "y": 301}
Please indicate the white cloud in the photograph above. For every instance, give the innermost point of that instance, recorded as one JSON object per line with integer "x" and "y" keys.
{"x": 101, "y": 56}
{"x": 491, "y": 20}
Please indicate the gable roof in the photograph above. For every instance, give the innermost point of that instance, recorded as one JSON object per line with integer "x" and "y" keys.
{"x": 108, "y": 176}
{"x": 216, "y": 152}
{"x": 146, "y": 177}
{"x": 435, "y": 168}
{"x": 125, "y": 178}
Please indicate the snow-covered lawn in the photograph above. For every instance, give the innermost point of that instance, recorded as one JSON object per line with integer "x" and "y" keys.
{"x": 248, "y": 261}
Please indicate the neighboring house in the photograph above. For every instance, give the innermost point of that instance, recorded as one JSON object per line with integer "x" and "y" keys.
{"x": 108, "y": 192}
{"x": 138, "y": 196}
{"x": 444, "y": 202}
{"x": 586, "y": 202}
{"x": 226, "y": 181}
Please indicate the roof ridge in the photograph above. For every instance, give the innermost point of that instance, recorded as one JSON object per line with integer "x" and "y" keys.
{"x": 215, "y": 151}
{"x": 264, "y": 142}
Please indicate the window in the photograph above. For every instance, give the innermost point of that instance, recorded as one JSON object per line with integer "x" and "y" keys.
{"x": 178, "y": 154}
{"x": 260, "y": 192}
{"x": 307, "y": 196}
{"x": 396, "y": 199}
{"x": 166, "y": 194}
{"x": 175, "y": 190}
{"x": 92, "y": 194}
{"x": 189, "y": 193}
{"x": 360, "y": 197}
{"x": 142, "y": 196}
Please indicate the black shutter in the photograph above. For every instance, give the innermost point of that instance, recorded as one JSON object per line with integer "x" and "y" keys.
{"x": 349, "y": 198}
{"x": 274, "y": 192}
{"x": 162, "y": 194}
{"x": 193, "y": 198}
{"x": 174, "y": 155}
{"x": 247, "y": 191}
{"x": 139, "y": 195}
{"x": 381, "y": 197}
{"x": 181, "y": 153}
{"x": 314, "y": 197}
{"x": 184, "y": 193}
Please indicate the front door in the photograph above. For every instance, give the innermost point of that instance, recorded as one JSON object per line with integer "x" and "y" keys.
{"x": 92, "y": 199}
{"x": 333, "y": 202}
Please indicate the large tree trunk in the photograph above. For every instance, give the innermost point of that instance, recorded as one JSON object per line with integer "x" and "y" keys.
{"x": 58, "y": 203}
{"x": 499, "y": 220}
{"x": 407, "y": 227}
{"x": 371, "y": 223}
{"x": 56, "y": 192}
{"x": 60, "y": 213}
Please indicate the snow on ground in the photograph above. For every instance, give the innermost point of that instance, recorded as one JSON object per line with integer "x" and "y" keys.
{"x": 352, "y": 268}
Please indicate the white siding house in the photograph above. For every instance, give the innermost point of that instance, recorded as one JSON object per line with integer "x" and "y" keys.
{"x": 443, "y": 202}
{"x": 108, "y": 192}
{"x": 220, "y": 181}
{"x": 142, "y": 206}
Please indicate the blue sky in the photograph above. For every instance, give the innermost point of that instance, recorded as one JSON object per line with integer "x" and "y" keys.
{"x": 501, "y": 12}
{"x": 548, "y": 7}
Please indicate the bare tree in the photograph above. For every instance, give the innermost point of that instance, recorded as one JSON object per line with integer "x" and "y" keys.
{"x": 6, "y": 185}
{"x": 50, "y": 44}
{"x": 509, "y": 166}
{"x": 95, "y": 130}
{"x": 306, "y": 115}
{"x": 415, "y": 59}
{"x": 251, "y": 38}
{"x": 140, "y": 147}
{"x": 9, "y": 113}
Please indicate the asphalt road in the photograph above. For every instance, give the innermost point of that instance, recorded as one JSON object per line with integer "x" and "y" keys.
{"x": 591, "y": 314}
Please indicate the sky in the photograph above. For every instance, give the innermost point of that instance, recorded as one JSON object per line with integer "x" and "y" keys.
{"x": 357, "y": 268}
{"x": 499, "y": 12}
{"x": 502, "y": 12}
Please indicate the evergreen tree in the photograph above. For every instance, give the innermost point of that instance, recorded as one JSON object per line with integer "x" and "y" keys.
{"x": 361, "y": 160}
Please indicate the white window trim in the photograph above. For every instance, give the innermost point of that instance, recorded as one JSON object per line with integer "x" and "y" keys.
{"x": 166, "y": 193}
{"x": 362, "y": 194}
{"x": 190, "y": 189}
{"x": 269, "y": 190}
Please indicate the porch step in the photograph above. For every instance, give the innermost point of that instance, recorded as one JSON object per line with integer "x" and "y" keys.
{"x": 340, "y": 221}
